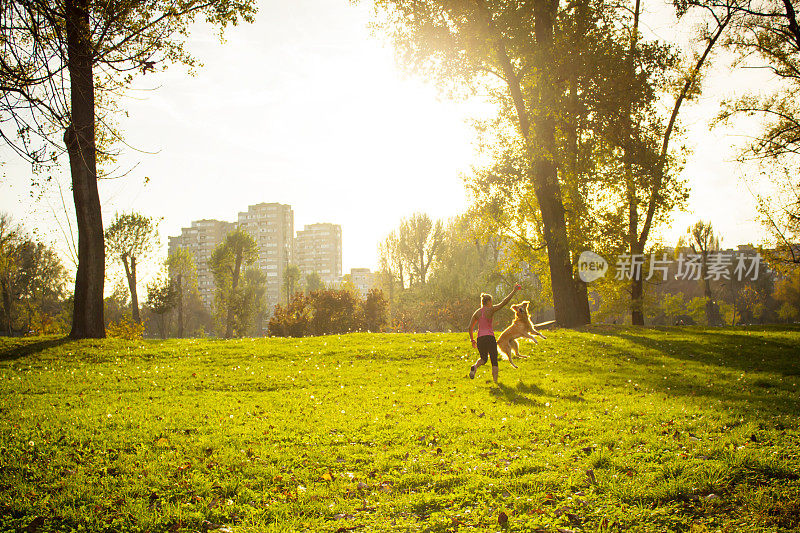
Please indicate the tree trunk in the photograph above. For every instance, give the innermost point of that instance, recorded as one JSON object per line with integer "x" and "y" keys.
{"x": 637, "y": 283}
{"x": 87, "y": 318}
{"x": 180, "y": 306}
{"x": 548, "y": 194}
{"x": 582, "y": 291}
{"x": 584, "y": 312}
{"x": 637, "y": 293}
{"x": 5, "y": 288}
{"x": 130, "y": 274}
{"x": 545, "y": 180}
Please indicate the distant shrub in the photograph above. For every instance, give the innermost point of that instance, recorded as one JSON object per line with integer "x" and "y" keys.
{"x": 44, "y": 324}
{"x": 376, "y": 310}
{"x": 329, "y": 311}
{"x": 293, "y": 320}
{"x": 125, "y": 328}
{"x": 336, "y": 311}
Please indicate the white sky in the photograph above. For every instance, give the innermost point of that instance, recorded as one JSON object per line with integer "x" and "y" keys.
{"x": 305, "y": 107}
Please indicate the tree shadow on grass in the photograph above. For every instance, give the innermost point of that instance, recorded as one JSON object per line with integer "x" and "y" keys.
{"x": 22, "y": 350}
{"x": 733, "y": 348}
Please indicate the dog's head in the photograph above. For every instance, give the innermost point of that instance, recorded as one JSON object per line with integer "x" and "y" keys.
{"x": 521, "y": 310}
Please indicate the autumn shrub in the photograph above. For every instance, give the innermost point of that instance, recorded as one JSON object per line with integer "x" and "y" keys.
{"x": 376, "y": 311}
{"x": 293, "y": 320}
{"x": 45, "y": 324}
{"x": 329, "y": 311}
{"x": 125, "y": 328}
{"x": 336, "y": 311}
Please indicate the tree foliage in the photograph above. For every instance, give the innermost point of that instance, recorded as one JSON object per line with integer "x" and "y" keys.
{"x": 329, "y": 311}
{"x": 32, "y": 283}
{"x": 787, "y": 293}
{"x": 131, "y": 237}
{"x": 227, "y": 263}
{"x": 183, "y": 270}
{"x": 162, "y": 296}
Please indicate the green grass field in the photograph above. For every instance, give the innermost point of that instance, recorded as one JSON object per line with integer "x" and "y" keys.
{"x": 608, "y": 429}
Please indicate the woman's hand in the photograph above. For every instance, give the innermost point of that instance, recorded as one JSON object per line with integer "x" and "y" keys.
{"x": 474, "y": 344}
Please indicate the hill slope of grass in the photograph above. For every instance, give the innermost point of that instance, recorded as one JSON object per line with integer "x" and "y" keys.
{"x": 601, "y": 430}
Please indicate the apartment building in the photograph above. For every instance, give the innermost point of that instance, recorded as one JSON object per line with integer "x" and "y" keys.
{"x": 318, "y": 248}
{"x": 272, "y": 227}
{"x": 200, "y": 239}
{"x": 363, "y": 279}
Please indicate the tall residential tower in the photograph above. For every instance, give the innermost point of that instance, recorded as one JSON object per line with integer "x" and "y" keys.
{"x": 318, "y": 248}
{"x": 272, "y": 227}
{"x": 200, "y": 239}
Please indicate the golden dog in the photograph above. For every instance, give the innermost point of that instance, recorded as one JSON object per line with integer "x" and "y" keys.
{"x": 520, "y": 327}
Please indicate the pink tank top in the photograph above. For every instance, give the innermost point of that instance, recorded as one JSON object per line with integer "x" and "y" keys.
{"x": 484, "y": 324}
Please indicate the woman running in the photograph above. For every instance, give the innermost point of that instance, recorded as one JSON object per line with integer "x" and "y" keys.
{"x": 486, "y": 343}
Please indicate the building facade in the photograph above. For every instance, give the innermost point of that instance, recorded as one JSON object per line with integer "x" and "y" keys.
{"x": 200, "y": 240}
{"x": 318, "y": 248}
{"x": 272, "y": 227}
{"x": 363, "y": 279}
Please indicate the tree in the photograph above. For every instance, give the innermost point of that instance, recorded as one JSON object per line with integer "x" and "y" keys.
{"x": 376, "y": 310}
{"x": 42, "y": 281}
{"x": 651, "y": 194}
{"x": 313, "y": 282}
{"x": 162, "y": 296}
{"x": 506, "y": 48}
{"x": 9, "y": 268}
{"x": 420, "y": 241}
{"x": 131, "y": 237}
{"x": 62, "y": 64}
{"x": 598, "y": 94}
{"x": 291, "y": 277}
{"x": 183, "y": 270}
{"x": 392, "y": 262}
{"x": 703, "y": 241}
{"x": 238, "y": 250}
{"x": 787, "y": 293}
{"x": 32, "y": 280}
{"x": 115, "y": 306}
{"x": 768, "y": 36}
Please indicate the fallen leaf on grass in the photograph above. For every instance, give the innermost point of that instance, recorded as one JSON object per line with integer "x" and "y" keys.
{"x": 502, "y": 518}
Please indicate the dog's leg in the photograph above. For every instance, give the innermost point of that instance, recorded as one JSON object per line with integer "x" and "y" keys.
{"x": 516, "y": 350}
{"x": 512, "y": 347}
{"x": 531, "y": 337}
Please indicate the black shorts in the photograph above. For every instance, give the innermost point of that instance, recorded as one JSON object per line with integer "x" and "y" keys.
{"x": 487, "y": 347}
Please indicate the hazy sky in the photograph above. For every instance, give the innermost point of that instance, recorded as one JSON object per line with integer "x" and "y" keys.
{"x": 305, "y": 107}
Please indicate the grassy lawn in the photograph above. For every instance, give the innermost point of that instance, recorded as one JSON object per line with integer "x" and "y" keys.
{"x": 607, "y": 429}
